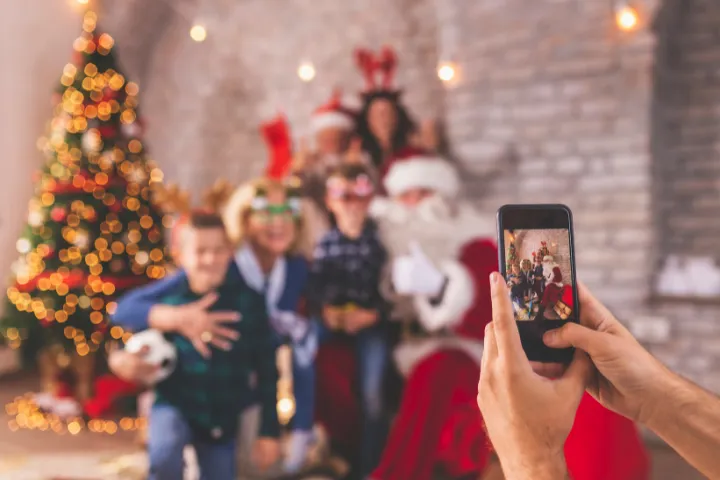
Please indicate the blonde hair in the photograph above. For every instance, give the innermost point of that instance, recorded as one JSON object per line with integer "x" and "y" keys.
{"x": 238, "y": 208}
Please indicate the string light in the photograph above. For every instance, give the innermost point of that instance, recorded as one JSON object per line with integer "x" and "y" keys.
{"x": 198, "y": 33}
{"x": 446, "y": 71}
{"x": 626, "y": 16}
{"x": 27, "y": 415}
{"x": 306, "y": 71}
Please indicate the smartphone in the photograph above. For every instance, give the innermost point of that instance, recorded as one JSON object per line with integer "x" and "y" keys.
{"x": 537, "y": 260}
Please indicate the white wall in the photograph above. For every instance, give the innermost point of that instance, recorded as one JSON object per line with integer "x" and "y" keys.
{"x": 35, "y": 43}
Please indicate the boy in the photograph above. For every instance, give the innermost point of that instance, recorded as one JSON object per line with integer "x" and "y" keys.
{"x": 517, "y": 282}
{"x": 219, "y": 357}
{"x": 345, "y": 278}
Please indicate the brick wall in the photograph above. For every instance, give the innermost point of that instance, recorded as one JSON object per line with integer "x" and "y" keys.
{"x": 553, "y": 104}
{"x": 204, "y": 101}
{"x": 686, "y": 128}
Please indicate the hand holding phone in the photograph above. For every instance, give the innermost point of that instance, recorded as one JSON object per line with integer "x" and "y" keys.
{"x": 537, "y": 260}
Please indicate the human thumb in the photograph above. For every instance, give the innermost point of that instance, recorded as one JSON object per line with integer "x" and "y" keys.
{"x": 578, "y": 374}
{"x": 574, "y": 335}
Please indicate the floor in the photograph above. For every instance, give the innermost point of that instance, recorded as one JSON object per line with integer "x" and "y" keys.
{"x": 34, "y": 455}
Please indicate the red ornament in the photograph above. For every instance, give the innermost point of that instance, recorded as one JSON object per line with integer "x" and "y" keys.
{"x": 107, "y": 131}
{"x": 58, "y": 214}
{"x": 109, "y": 94}
{"x": 115, "y": 207}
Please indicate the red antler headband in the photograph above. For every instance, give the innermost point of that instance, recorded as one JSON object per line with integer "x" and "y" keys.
{"x": 369, "y": 64}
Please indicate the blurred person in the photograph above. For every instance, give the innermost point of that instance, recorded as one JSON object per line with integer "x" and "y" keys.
{"x": 441, "y": 254}
{"x": 344, "y": 292}
{"x": 383, "y": 124}
{"x": 265, "y": 223}
{"x": 529, "y": 417}
{"x": 332, "y": 127}
{"x": 199, "y": 309}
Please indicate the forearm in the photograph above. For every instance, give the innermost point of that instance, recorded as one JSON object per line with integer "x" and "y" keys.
{"x": 688, "y": 419}
{"x": 136, "y": 310}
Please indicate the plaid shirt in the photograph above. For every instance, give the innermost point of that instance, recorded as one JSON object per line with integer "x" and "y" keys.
{"x": 211, "y": 393}
{"x": 347, "y": 270}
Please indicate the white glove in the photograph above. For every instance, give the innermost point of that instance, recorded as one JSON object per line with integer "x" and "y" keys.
{"x": 415, "y": 274}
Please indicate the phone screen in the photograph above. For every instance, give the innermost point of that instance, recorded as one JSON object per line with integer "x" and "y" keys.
{"x": 537, "y": 262}
{"x": 539, "y": 274}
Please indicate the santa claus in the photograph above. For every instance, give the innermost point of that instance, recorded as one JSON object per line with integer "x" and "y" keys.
{"x": 442, "y": 252}
{"x": 554, "y": 288}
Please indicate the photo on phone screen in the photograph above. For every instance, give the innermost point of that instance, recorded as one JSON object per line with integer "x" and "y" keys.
{"x": 536, "y": 258}
{"x": 539, "y": 274}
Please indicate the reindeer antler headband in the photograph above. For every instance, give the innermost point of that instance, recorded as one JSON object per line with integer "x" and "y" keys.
{"x": 175, "y": 201}
{"x": 370, "y": 65}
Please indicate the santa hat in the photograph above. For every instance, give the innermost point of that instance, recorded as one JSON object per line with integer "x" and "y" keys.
{"x": 413, "y": 168}
{"x": 332, "y": 115}
{"x": 277, "y": 137}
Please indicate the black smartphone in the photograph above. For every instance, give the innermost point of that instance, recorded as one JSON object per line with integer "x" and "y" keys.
{"x": 537, "y": 260}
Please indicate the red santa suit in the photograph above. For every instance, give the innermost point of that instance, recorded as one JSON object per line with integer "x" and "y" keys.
{"x": 438, "y": 426}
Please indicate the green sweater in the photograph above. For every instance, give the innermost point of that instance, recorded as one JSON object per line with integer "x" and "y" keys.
{"x": 211, "y": 393}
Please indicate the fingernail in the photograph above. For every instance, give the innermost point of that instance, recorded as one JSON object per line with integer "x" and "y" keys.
{"x": 550, "y": 337}
{"x": 494, "y": 278}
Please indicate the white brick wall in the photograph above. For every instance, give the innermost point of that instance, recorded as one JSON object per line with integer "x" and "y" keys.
{"x": 553, "y": 104}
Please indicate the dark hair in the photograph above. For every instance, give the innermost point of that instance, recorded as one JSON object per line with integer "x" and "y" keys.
{"x": 404, "y": 128}
{"x": 350, "y": 171}
{"x": 203, "y": 220}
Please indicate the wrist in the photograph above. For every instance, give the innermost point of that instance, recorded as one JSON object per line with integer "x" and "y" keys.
{"x": 166, "y": 318}
{"x": 549, "y": 467}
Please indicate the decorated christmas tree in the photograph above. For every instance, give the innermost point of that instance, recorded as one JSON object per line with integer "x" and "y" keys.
{"x": 511, "y": 257}
{"x": 92, "y": 231}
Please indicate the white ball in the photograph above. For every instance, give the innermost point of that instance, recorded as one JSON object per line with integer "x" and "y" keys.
{"x": 160, "y": 352}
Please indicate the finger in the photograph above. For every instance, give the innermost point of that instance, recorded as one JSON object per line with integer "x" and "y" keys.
{"x": 577, "y": 376}
{"x": 490, "y": 351}
{"x": 225, "y": 333}
{"x": 201, "y": 347}
{"x": 221, "y": 343}
{"x": 548, "y": 370}
{"x": 147, "y": 370}
{"x": 578, "y": 336}
{"x": 594, "y": 314}
{"x": 224, "y": 317}
{"x": 207, "y": 301}
{"x": 505, "y": 328}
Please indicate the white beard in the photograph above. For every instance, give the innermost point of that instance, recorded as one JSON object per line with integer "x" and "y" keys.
{"x": 439, "y": 226}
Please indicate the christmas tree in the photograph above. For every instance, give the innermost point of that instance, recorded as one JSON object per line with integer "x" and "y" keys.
{"x": 93, "y": 231}
{"x": 511, "y": 257}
